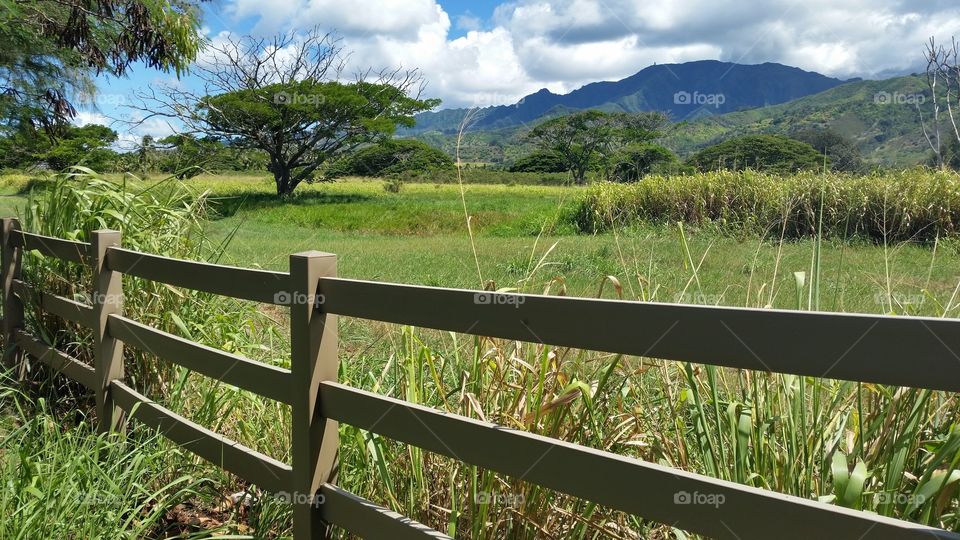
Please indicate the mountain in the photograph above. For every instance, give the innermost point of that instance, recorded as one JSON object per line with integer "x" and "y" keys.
{"x": 879, "y": 116}
{"x": 685, "y": 91}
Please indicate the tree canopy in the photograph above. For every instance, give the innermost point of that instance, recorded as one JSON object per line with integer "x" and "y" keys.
{"x": 286, "y": 97}
{"x": 87, "y": 145}
{"x": 588, "y": 138}
{"x": 392, "y": 156}
{"x": 540, "y": 161}
{"x": 843, "y": 152}
{"x": 772, "y": 153}
{"x": 53, "y": 48}
{"x": 638, "y": 160}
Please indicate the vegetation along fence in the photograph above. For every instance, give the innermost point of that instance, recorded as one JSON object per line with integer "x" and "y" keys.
{"x": 916, "y": 352}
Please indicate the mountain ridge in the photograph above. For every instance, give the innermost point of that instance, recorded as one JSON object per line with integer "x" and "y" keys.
{"x": 877, "y": 115}
{"x": 685, "y": 91}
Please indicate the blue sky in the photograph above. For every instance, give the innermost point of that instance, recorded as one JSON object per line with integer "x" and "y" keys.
{"x": 481, "y": 53}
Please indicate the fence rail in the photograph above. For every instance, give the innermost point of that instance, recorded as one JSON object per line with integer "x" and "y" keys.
{"x": 852, "y": 347}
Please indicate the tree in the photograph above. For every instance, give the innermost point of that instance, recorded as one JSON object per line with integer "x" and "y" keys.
{"x": 772, "y": 153}
{"x": 392, "y": 156}
{"x": 943, "y": 79}
{"x": 285, "y": 97}
{"x": 22, "y": 146}
{"x": 586, "y": 138}
{"x": 87, "y": 145}
{"x": 53, "y": 48}
{"x": 636, "y": 161}
{"x": 948, "y": 157}
{"x": 540, "y": 161}
{"x": 843, "y": 153}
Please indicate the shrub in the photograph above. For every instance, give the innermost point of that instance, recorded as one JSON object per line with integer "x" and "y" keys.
{"x": 390, "y": 157}
{"x": 771, "y": 153}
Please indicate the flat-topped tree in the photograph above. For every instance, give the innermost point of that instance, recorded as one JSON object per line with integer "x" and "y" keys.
{"x": 287, "y": 97}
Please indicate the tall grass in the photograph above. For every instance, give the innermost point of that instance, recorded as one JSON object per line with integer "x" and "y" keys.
{"x": 916, "y": 204}
{"x": 889, "y": 450}
{"x": 162, "y": 218}
{"x": 63, "y": 480}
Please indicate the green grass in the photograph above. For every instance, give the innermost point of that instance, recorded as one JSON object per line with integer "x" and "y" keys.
{"x": 419, "y": 236}
{"x": 790, "y": 434}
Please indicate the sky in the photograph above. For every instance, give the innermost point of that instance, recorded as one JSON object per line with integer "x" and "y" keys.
{"x": 482, "y": 53}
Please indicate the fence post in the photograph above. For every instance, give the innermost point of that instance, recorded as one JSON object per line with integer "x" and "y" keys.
{"x": 107, "y": 299}
{"x": 313, "y": 348}
{"x": 12, "y": 305}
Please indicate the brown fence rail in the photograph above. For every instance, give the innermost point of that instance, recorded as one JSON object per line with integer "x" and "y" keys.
{"x": 852, "y": 347}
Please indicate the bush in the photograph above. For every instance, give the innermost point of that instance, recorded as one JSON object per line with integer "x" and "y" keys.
{"x": 636, "y": 161}
{"x": 914, "y": 205}
{"x": 394, "y": 156}
{"x": 540, "y": 162}
{"x": 770, "y": 153}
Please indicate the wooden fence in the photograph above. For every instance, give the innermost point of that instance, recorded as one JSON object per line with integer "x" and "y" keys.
{"x": 917, "y": 352}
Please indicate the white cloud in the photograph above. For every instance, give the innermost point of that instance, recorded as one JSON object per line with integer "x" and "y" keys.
{"x": 84, "y": 118}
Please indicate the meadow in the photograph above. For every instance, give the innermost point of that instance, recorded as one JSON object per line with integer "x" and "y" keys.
{"x": 795, "y": 435}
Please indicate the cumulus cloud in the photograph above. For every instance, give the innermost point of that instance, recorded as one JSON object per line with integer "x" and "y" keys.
{"x": 562, "y": 44}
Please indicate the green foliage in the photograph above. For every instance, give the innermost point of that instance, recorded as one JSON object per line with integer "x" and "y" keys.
{"x": 23, "y": 147}
{"x": 949, "y": 152}
{"x": 584, "y": 139}
{"x": 393, "y": 185}
{"x": 27, "y": 147}
{"x": 86, "y": 146}
{"x": 913, "y": 205}
{"x": 541, "y": 161}
{"x": 886, "y": 133}
{"x": 772, "y": 153}
{"x": 63, "y": 479}
{"x": 392, "y": 156}
{"x": 882, "y": 449}
{"x": 636, "y": 161}
{"x": 307, "y": 122}
{"x": 186, "y": 156}
{"x": 842, "y": 152}
{"x": 52, "y": 48}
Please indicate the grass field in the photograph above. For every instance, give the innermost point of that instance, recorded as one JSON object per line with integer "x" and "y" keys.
{"x": 523, "y": 240}
{"x": 732, "y": 425}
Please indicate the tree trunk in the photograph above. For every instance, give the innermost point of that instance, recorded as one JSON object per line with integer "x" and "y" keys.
{"x": 281, "y": 177}
{"x": 579, "y": 175}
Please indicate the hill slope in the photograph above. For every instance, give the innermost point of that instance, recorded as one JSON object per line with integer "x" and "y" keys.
{"x": 685, "y": 91}
{"x": 880, "y": 116}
